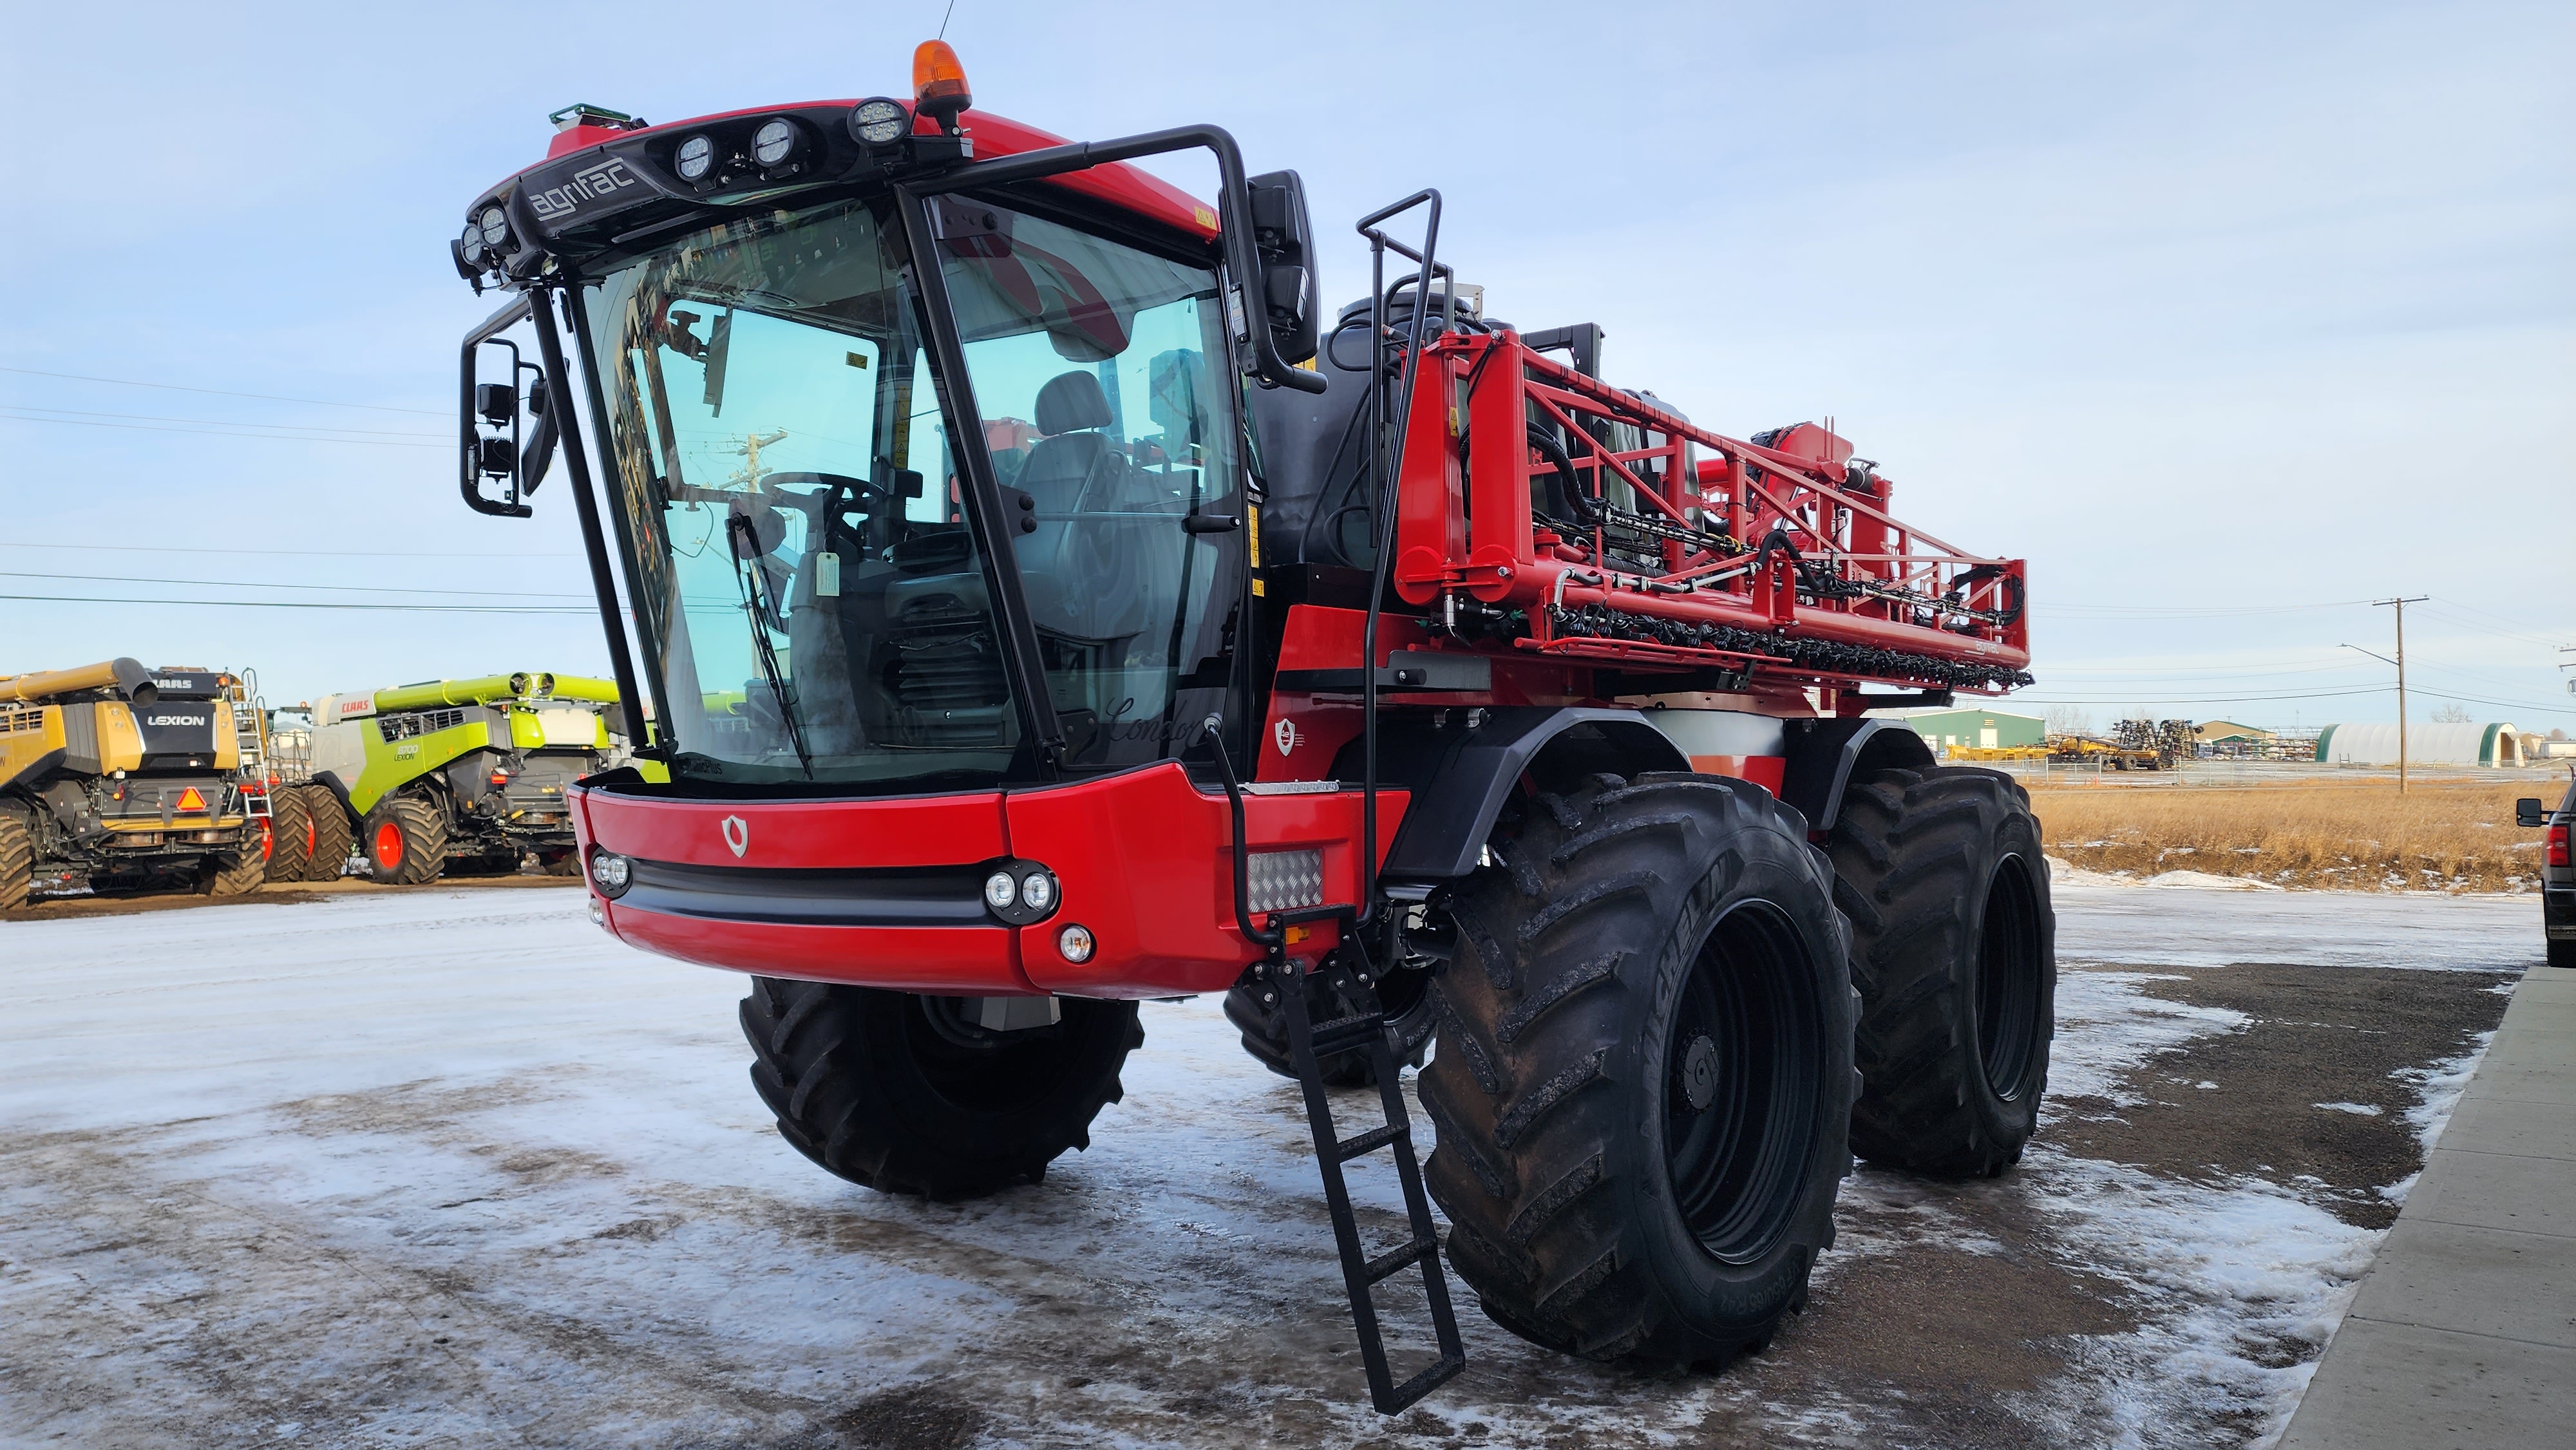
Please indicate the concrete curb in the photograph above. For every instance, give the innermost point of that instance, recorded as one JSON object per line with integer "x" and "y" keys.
{"x": 2464, "y": 1331}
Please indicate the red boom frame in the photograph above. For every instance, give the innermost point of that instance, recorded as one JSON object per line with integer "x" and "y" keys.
{"x": 1915, "y": 609}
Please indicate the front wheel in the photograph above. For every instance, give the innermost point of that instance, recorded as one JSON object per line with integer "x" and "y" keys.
{"x": 17, "y": 862}
{"x": 904, "y": 1095}
{"x": 1644, "y": 1076}
{"x": 405, "y": 840}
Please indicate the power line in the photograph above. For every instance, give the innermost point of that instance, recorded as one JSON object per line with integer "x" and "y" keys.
{"x": 217, "y": 422}
{"x": 270, "y": 584}
{"x": 213, "y": 433}
{"x": 221, "y": 392}
{"x": 293, "y": 553}
{"x": 301, "y": 604}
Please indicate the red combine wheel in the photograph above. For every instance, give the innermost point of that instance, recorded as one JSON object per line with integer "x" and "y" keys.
{"x": 330, "y": 821}
{"x": 290, "y": 834}
{"x": 405, "y": 839}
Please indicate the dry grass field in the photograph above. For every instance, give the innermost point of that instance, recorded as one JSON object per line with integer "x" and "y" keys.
{"x": 2440, "y": 836}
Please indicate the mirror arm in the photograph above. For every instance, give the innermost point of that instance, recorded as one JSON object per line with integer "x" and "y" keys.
{"x": 471, "y": 482}
{"x": 1234, "y": 226}
{"x": 594, "y": 541}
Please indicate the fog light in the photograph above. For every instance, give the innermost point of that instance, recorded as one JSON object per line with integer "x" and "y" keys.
{"x": 694, "y": 157}
{"x": 1076, "y": 944}
{"x": 773, "y": 143}
{"x": 1000, "y": 891}
{"x": 598, "y": 913}
{"x": 611, "y": 873}
{"x": 1038, "y": 891}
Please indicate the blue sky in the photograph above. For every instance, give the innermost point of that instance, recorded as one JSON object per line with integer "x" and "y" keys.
{"x": 2226, "y": 317}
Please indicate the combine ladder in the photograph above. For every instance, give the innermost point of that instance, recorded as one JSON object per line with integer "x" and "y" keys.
{"x": 250, "y": 738}
{"x": 1309, "y": 1042}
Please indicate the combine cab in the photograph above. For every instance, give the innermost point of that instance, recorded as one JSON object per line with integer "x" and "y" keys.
{"x": 1043, "y": 608}
{"x": 120, "y": 778}
{"x": 463, "y": 777}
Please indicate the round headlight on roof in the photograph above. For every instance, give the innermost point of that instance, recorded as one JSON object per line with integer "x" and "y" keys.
{"x": 693, "y": 158}
{"x": 494, "y": 224}
{"x": 773, "y": 142}
{"x": 880, "y": 121}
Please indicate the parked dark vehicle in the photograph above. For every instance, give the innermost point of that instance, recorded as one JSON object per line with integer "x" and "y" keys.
{"x": 2557, "y": 871}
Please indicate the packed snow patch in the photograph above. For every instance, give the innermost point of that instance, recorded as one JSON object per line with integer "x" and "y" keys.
{"x": 2108, "y": 1027}
{"x": 2358, "y": 1110}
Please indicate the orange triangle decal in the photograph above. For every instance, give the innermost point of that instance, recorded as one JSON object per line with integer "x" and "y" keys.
{"x": 189, "y": 800}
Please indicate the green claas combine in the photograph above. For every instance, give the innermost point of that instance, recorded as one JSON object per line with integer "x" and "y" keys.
{"x": 462, "y": 776}
{"x": 117, "y": 777}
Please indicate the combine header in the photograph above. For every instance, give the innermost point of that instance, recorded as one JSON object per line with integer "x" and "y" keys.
{"x": 1043, "y": 608}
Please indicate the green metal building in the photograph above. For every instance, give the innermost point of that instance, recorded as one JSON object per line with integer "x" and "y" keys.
{"x": 1981, "y": 729}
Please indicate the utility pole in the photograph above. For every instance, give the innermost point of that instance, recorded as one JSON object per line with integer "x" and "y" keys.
{"x": 2401, "y": 682}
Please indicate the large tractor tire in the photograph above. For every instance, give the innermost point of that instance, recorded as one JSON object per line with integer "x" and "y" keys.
{"x": 1644, "y": 1077}
{"x": 290, "y": 835}
{"x": 330, "y": 832}
{"x": 898, "y": 1093}
{"x": 17, "y": 862}
{"x": 1954, "y": 950}
{"x": 405, "y": 840}
{"x": 1404, "y": 996}
{"x": 235, "y": 873}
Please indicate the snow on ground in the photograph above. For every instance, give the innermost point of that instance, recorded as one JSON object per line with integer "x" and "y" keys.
{"x": 454, "y": 1167}
{"x": 2103, "y": 919}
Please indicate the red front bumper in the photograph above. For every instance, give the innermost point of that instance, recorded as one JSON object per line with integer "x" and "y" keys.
{"x": 882, "y": 893}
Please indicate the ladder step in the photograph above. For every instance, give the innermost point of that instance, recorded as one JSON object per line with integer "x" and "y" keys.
{"x": 1432, "y": 1377}
{"x": 1393, "y": 1261}
{"x": 1369, "y": 1142}
{"x": 1344, "y": 1033}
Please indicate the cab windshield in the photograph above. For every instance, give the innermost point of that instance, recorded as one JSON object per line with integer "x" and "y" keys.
{"x": 812, "y": 601}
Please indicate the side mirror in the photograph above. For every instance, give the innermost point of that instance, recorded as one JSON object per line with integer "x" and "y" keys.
{"x": 1283, "y": 240}
{"x": 499, "y": 468}
{"x": 2528, "y": 812}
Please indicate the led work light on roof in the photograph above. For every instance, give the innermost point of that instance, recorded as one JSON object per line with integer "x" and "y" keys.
{"x": 773, "y": 142}
{"x": 693, "y": 158}
{"x": 880, "y": 121}
{"x": 495, "y": 226}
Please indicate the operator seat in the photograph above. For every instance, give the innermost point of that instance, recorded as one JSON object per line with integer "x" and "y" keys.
{"x": 1077, "y": 568}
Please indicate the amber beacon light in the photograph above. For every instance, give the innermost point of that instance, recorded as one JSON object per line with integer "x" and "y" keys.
{"x": 939, "y": 83}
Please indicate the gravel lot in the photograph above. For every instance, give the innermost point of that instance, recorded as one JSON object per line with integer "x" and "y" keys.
{"x": 448, "y": 1167}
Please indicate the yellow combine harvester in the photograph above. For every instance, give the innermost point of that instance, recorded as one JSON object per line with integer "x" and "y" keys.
{"x": 116, "y": 777}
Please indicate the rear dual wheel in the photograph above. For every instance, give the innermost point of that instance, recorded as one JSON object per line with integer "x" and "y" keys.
{"x": 1954, "y": 952}
{"x": 330, "y": 821}
{"x": 290, "y": 834}
{"x": 1644, "y": 1077}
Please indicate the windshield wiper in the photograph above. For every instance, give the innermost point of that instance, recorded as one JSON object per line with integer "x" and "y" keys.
{"x": 754, "y": 583}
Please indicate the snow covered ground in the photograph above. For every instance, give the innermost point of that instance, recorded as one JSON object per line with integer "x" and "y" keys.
{"x": 452, "y": 1167}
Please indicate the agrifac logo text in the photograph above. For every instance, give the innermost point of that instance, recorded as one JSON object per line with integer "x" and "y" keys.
{"x": 557, "y": 203}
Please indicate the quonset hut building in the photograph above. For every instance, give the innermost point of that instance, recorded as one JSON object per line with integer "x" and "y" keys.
{"x": 2429, "y": 743}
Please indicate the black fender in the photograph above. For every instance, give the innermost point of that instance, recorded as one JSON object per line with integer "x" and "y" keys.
{"x": 1460, "y": 775}
{"x": 1824, "y": 755}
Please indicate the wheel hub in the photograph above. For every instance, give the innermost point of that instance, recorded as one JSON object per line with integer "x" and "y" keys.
{"x": 1699, "y": 1073}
